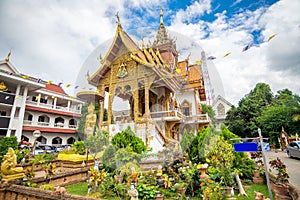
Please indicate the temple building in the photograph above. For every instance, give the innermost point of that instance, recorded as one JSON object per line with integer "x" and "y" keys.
{"x": 221, "y": 106}
{"x": 164, "y": 93}
{"x": 29, "y": 104}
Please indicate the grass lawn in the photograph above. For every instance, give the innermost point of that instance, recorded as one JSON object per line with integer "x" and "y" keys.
{"x": 78, "y": 188}
{"x": 81, "y": 189}
{"x": 251, "y": 189}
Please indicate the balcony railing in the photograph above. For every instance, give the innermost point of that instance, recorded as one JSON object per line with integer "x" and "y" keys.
{"x": 48, "y": 106}
{"x": 204, "y": 118}
{"x": 48, "y": 124}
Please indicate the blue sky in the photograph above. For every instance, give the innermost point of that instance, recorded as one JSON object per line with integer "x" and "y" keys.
{"x": 53, "y": 39}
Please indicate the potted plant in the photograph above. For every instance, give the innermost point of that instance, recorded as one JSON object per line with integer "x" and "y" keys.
{"x": 181, "y": 187}
{"x": 280, "y": 186}
{"x": 257, "y": 175}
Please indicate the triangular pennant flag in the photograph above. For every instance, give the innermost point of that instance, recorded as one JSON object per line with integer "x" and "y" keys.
{"x": 199, "y": 62}
{"x": 227, "y": 54}
{"x": 247, "y": 47}
{"x": 271, "y": 37}
{"x": 25, "y": 76}
{"x": 211, "y": 58}
{"x": 68, "y": 85}
{"x": 49, "y": 82}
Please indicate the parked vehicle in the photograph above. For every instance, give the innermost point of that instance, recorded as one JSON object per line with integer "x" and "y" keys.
{"x": 47, "y": 149}
{"x": 38, "y": 150}
{"x": 293, "y": 149}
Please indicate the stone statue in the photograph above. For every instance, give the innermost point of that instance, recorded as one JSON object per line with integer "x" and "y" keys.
{"x": 133, "y": 193}
{"x": 90, "y": 121}
{"x": 9, "y": 169}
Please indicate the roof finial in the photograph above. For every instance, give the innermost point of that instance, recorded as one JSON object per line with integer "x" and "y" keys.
{"x": 143, "y": 44}
{"x": 161, "y": 16}
{"x": 8, "y": 55}
{"x": 117, "y": 15}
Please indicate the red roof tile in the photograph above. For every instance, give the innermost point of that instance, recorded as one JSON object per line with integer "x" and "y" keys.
{"x": 55, "y": 88}
{"x": 48, "y": 129}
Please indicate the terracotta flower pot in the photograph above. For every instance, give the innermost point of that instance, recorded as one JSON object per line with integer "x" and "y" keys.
{"x": 181, "y": 190}
{"x": 281, "y": 192}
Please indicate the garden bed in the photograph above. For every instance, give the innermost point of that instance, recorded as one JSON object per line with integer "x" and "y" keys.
{"x": 82, "y": 188}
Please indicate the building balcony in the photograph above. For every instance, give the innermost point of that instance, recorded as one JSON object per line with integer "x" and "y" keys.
{"x": 58, "y": 125}
{"x": 169, "y": 115}
{"x": 42, "y": 107}
{"x": 196, "y": 119}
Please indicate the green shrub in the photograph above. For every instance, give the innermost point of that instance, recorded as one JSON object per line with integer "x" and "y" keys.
{"x": 126, "y": 139}
{"x": 146, "y": 192}
{"x": 48, "y": 187}
{"x": 7, "y": 142}
{"x": 79, "y": 147}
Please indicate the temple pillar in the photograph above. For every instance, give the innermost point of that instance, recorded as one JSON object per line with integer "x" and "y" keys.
{"x": 109, "y": 109}
{"x": 147, "y": 110}
{"x": 136, "y": 104}
{"x": 101, "y": 112}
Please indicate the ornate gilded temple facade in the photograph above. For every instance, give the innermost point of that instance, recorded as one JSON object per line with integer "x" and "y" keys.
{"x": 164, "y": 94}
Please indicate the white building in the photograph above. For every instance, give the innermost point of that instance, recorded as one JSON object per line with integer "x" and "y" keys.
{"x": 28, "y": 104}
{"x": 221, "y": 107}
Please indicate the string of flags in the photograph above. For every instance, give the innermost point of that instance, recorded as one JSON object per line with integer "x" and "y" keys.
{"x": 247, "y": 47}
{"x": 178, "y": 70}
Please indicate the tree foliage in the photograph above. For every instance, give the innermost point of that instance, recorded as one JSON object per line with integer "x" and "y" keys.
{"x": 260, "y": 108}
{"x": 98, "y": 142}
{"x": 127, "y": 139}
{"x": 242, "y": 120}
{"x": 281, "y": 114}
{"x": 197, "y": 148}
{"x": 210, "y": 111}
{"x": 186, "y": 141}
{"x": 7, "y": 142}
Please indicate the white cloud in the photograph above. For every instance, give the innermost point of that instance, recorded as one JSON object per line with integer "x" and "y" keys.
{"x": 268, "y": 62}
{"x": 52, "y": 39}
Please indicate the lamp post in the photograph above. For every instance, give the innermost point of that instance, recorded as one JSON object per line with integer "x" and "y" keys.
{"x": 36, "y": 135}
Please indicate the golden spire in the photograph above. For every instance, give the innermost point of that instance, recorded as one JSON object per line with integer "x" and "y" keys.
{"x": 8, "y": 55}
{"x": 161, "y": 16}
{"x": 117, "y": 15}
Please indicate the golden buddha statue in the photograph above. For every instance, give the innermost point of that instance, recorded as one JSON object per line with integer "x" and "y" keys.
{"x": 3, "y": 87}
{"x": 9, "y": 169}
{"x": 90, "y": 121}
